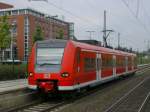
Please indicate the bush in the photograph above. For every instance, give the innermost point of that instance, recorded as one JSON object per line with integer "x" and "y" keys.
{"x": 8, "y": 71}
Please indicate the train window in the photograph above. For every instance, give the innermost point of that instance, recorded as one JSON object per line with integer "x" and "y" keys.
{"x": 48, "y": 59}
{"x": 126, "y": 61}
{"x": 114, "y": 62}
{"x": 107, "y": 61}
{"x": 120, "y": 61}
{"x": 89, "y": 64}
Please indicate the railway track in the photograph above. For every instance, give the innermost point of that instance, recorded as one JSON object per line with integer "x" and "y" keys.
{"x": 42, "y": 107}
{"x": 53, "y": 104}
{"x": 145, "y": 107}
{"x": 17, "y": 99}
{"x": 135, "y": 100}
{"x": 102, "y": 98}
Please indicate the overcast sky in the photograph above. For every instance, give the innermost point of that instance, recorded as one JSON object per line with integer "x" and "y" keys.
{"x": 88, "y": 15}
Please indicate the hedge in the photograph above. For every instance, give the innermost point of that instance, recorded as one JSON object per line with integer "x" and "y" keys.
{"x": 8, "y": 71}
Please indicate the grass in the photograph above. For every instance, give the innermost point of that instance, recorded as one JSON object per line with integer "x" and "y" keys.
{"x": 142, "y": 60}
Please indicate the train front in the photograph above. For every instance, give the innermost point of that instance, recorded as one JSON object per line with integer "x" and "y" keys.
{"x": 44, "y": 65}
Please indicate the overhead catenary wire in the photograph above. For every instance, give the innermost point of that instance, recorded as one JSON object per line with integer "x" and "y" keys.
{"x": 84, "y": 20}
{"x": 138, "y": 7}
{"x": 88, "y": 21}
{"x": 145, "y": 12}
{"x": 134, "y": 15}
{"x": 131, "y": 41}
{"x": 70, "y": 13}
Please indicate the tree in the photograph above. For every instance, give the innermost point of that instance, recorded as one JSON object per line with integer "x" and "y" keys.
{"x": 38, "y": 34}
{"x": 5, "y": 35}
{"x": 60, "y": 34}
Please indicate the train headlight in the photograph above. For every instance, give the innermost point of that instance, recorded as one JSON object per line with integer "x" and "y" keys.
{"x": 65, "y": 74}
{"x": 30, "y": 74}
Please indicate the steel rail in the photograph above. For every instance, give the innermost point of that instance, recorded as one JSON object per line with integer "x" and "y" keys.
{"x": 125, "y": 95}
{"x": 144, "y": 103}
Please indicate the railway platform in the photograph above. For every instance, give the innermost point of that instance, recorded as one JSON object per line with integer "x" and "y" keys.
{"x": 12, "y": 85}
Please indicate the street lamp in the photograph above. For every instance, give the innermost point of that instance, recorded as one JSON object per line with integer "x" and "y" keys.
{"x": 12, "y": 45}
{"x": 13, "y": 25}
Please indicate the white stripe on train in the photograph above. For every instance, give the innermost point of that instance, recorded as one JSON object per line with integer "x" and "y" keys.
{"x": 90, "y": 83}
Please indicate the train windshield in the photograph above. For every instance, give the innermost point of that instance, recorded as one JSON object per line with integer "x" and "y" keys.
{"x": 49, "y": 59}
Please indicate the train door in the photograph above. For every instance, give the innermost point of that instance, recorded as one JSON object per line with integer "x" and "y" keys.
{"x": 126, "y": 63}
{"x": 77, "y": 68}
{"x": 114, "y": 65}
{"x": 98, "y": 66}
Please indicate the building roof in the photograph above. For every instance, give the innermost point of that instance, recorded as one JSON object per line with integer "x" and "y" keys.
{"x": 5, "y": 6}
{"x": 28, "y": 10}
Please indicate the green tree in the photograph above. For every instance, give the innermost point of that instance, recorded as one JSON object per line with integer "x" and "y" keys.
{"x": 38, "y": 34}
{"x": 5, "y": 35}
{"x": 60, "y": 34}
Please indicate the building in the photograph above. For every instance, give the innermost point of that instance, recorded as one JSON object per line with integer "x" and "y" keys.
{"x": 5, "y": 6}
{"x": 24, "y": 23}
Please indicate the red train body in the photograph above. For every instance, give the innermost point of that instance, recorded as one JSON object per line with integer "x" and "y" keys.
{"x": 60, "y": 65}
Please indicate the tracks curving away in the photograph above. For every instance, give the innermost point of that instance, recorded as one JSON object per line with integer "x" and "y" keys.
{"x": 133, "y": 99}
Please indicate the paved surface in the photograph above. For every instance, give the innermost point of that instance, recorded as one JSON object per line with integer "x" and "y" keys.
{"x": 146, "y": 106}
{"x": 12, "y": 85}
{"x": 105, "y": 97}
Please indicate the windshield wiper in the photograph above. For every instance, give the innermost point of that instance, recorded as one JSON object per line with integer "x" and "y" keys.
{"x": 48, "y": 64}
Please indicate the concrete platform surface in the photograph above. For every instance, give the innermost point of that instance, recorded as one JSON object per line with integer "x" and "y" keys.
{"x": 12, "y": 85}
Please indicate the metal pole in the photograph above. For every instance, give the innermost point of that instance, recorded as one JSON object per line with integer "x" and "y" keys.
{"x": 118, "y": 40}
{"x": 11, "y": 46}
{"x": 90, "y": 35}
{"x": 104, "y": 30}
{"x": 148, "y": 45}
{"x": 13, "y": 61}
{"x": 12, "y": 54}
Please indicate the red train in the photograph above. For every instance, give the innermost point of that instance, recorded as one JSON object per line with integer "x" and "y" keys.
{"x": 66, "y": 65}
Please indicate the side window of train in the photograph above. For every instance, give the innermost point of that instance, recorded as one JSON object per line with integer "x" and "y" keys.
{"x": 118, "y": 61}
{"x": 89, "y": 64}
{"x": 103, "y": 61}
{"x": 126, "y": 61}
{"x": 121, "y": 61}
{"x": 114, "y": 60}
{"x": 133, "y": 61}
{"x": 107, "y": 61}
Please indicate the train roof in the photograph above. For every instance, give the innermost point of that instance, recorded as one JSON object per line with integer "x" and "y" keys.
{"x": 57, "y": 43}
{"x": 99, "y": 48}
